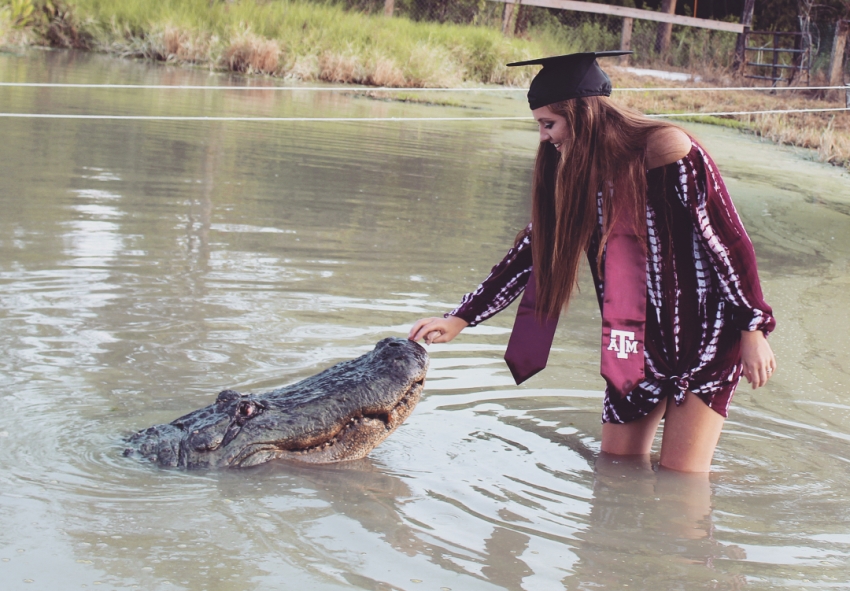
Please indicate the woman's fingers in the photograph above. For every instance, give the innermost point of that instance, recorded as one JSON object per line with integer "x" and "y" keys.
{"x": 416, "y": 332}
{"x": 752, "y": 375}
{"x": 433, "y": 336}
{"x": 762, "y": 376}
{"x": 436, "y": 330}
{"x": 758, "y": 376}
{"x": 425, "y": 328}
{"x": 766, "y": 371}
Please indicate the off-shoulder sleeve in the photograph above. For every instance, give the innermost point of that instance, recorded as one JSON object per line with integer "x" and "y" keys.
{"x": 721, "y": 232}
{"x": 502, "y": 286}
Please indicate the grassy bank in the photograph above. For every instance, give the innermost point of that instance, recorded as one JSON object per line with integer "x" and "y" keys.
{"x": 321, "y": 41}
{"x": 307, "y": 41}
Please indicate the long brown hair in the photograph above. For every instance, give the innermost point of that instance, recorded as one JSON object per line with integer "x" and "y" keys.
{"x": 607, "y": 154}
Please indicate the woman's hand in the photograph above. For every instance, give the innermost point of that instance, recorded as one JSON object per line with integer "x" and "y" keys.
{"x": 757, "y": 358}
{"x": 437, "y": 330}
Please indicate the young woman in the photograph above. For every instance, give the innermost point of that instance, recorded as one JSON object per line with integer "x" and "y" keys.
{"x": 603, "y": 173}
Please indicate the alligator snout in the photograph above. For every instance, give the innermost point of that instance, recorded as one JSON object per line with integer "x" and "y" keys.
{"x": 339, "y": 414}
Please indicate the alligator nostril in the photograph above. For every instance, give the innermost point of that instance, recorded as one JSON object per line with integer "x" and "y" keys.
{"x": 395, "y": 344}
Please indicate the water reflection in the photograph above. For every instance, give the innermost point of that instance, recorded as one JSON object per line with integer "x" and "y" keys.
{"x": 651, "y": 522}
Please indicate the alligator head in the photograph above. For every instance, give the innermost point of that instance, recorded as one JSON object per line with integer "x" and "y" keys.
{"x": 339, "y": 414}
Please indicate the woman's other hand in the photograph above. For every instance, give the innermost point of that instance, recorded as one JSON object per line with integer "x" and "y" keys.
{"x": 437, "y": 330}
{"x": 757, "y": 358}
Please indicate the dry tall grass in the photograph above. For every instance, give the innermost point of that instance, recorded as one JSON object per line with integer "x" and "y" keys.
{"x": 828, "y": 133}
{"x": 251, "y": 54}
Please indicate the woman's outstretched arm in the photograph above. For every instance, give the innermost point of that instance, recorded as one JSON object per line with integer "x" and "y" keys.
{"x": 502, "y": 286}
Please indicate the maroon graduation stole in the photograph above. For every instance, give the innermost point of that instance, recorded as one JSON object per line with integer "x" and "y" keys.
{"x": 623, "y": 318}
{"x": 624, "y": 308}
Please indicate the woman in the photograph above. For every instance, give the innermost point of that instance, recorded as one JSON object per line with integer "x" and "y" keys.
{"x": 639, "y": 197}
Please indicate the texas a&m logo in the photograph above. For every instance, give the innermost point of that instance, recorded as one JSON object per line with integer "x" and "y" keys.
{"x": 623, "y": 342}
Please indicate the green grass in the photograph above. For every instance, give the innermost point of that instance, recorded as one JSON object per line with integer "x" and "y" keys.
{"x": 708, "y": 120}
{"x": 307, "y": 41}
{"x": 396, "y": 96}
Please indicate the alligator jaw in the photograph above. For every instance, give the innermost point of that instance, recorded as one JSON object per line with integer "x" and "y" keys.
{"x": 353, "y": 441}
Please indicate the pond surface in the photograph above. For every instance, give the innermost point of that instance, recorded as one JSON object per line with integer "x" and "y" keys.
{"x": 147, "y": 265}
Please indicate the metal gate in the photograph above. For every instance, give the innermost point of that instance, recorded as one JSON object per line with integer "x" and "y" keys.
{"x": 771, "y": 54}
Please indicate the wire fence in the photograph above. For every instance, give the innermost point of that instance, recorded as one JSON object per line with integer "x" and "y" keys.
{"x": 371, "y": 90}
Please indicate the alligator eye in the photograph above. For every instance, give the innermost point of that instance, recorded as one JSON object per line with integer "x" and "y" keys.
{"x": 246, "y": 410}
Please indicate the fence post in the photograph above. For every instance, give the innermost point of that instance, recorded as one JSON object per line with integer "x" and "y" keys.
{"x": 626, "y": 39}
{"x": 836, "y": 60}
{"x": 508, "y": 17}
{"x": 741, "y": 47}
{"x": 774, "y": 72}
{"x": 389, "y": 7}
{"x": 847, "y": 96}
{"x": 665, "y": 30}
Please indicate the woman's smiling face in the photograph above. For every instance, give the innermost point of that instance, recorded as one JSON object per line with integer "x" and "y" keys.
{"x": 553, "y": 128}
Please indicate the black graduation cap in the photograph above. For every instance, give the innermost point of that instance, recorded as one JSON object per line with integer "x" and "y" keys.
{"x": 569, "y": 76}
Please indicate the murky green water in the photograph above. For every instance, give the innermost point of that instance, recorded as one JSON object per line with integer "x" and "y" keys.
{"x": 147, "y": 265}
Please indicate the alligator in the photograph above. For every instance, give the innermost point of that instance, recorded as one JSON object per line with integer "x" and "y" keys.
{"x": 339, "y": 414}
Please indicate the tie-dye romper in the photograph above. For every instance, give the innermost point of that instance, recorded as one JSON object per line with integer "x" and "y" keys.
{"x": 702, "y": 290}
